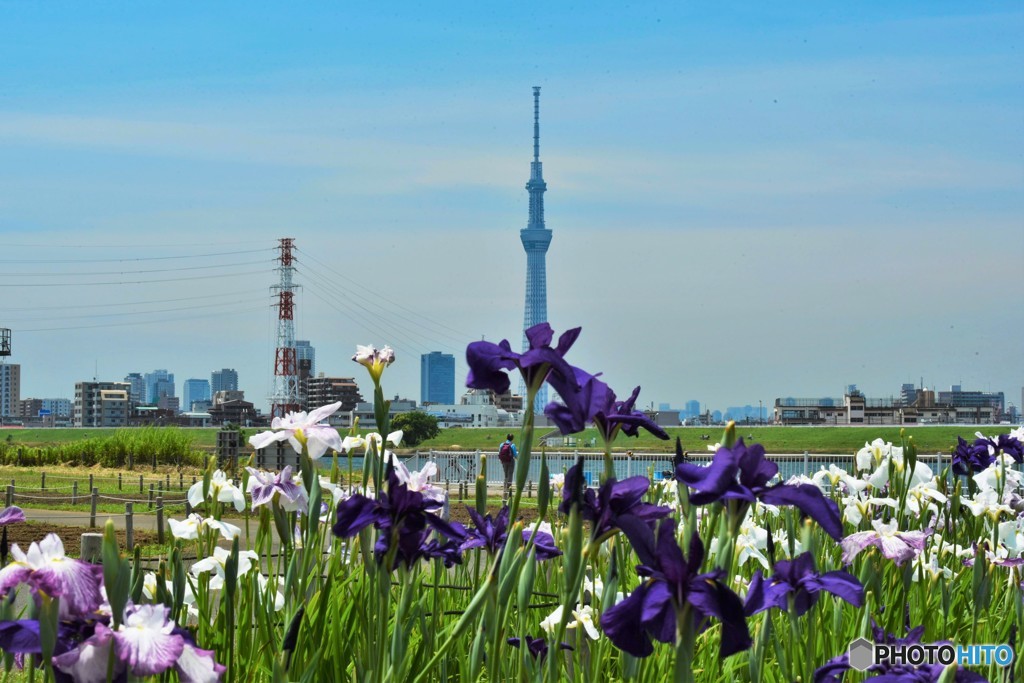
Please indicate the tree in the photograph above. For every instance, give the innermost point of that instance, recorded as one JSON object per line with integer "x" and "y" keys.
{"x": 416, "y": 426}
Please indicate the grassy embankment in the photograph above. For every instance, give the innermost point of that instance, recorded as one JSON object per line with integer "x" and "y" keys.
{"x": 928, "y": 439}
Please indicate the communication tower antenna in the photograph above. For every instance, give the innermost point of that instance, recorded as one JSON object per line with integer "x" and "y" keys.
{"x": 286, "y": 366}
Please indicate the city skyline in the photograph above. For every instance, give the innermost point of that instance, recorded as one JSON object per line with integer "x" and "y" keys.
{"x": 763, "y": 200}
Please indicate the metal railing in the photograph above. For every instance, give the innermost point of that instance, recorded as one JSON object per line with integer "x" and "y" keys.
{"x": 463, "y": 466}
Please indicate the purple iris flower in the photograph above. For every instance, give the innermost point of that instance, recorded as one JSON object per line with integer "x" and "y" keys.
{"x": 834, "y": 670}
{"x": 488, "y": 361}
{"x": 538, "y": 646}
{"x": 672, "y": 582}
{"x": 401, "y": 515}
{"x": 543, "y": 542}
{"x": 1012, "y": 446}
{"x": 20, "y": 637}
{"x": 492, "y": 533}
{"x": 448, "y": 552}
{"x": 799, "y": 579}
{"x": 718, "y": 482}
{"x": 264, "y": 485}
{"x": 969, "y": 458}
{"x": 588, "y": 399}
{"x": 487, "y": 533}
{"x": 613, "y": 502}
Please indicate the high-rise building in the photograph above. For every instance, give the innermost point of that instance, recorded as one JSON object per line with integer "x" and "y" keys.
{"x": 437, "y": 378}
{"x": 101, "y": 404}
{"x": 536, "y": 238}
{"x": 137, "y": 393}
{"x": 322, "y": 391}
{"x": 223, "y": 380}
{"x": 305, "y": 351}
{"x": 158, "y": 383}
{"x": 195, "y": 390}
{"x": 10, "y": 389}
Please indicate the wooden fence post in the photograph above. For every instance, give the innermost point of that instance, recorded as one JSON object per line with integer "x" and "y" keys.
{"x": 167, "y": 485}
{"x": 119, "y": 481}
{"x": 92, "y": 508}
{"x": 74, "y": 492}
{"x": 160, "y": 519}
{"x": 90, "y": 483}
{"x": 42, "y": 483}
{"x": 181, "y": 481}
{"x": 129, "y": 530}
{"x": 141, "y": 485}
{"x": 151, "y": 491}
{"x": 10, "y": 495}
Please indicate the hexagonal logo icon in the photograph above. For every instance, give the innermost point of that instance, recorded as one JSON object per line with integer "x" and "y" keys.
{"x": 862, "y": 654}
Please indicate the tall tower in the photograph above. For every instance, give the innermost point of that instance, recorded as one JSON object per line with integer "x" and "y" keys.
{"x": 536, "y": 239}
{"x": 286, "y": 366}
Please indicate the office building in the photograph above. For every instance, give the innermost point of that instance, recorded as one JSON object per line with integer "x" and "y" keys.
{"x": 322, "y": 391}
{"x": 223, "y": 380}
{"x": 437, "y": 378}
{"x": 195, "y": 390}
{"x": 305, "y": 351}
{"x": 101, "y": 404}
{"x": 137, "y": 392}
{"x": 158, "y": 383}
{"x": 10, "y": 389}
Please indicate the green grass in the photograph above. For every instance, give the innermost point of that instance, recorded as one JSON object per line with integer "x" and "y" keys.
{"x": 204, "y": 438}
{"x": 930, "y": 439}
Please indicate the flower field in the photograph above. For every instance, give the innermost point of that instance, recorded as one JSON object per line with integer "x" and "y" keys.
{"x": 723, "y": 572}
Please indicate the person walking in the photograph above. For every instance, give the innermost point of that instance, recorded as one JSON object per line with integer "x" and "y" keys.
{"x": 507, "y": 454}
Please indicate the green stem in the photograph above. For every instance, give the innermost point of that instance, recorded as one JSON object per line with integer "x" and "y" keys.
{"x": 683, "y": 665}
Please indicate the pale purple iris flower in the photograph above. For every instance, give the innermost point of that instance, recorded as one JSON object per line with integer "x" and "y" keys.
{"x": 44, "y": 568}
{"x": 488, "y": 362}
{"x": 147, "y": 643}
{"x": 300, "y": 429}
{"x": 11, "y": 515}
{"x": 264, "y": 486}
{"x": 896, "y": 545}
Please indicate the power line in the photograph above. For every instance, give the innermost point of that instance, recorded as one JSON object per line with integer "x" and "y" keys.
{"x": 134, "y": 272}
{"x": 374, "y": 293}
{"x": 147, "y": 312}
{"x": 389, "y": 338}
{"x": 381, "y": 311}
{"x": 122, "y": 260}
{"x": 128, "y": 303}
{"x": 126, "y": 282}
{"x": 143, "y": 322}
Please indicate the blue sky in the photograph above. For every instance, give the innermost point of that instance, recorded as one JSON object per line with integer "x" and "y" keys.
{"x": 747, "y": 201}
